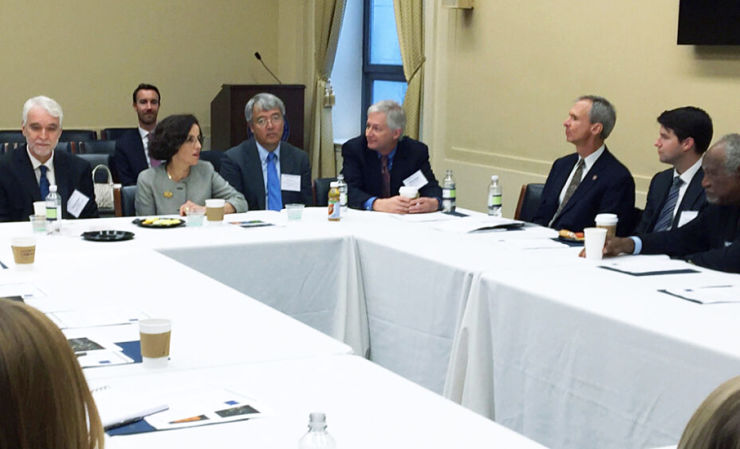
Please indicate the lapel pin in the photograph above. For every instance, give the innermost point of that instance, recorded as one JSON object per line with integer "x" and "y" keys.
{"x": 167, "y": 194}
{"x": 594, "y": 178}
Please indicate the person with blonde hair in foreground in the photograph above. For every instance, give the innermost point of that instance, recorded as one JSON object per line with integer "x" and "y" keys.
{"x": 45, "y": 402}
{"x": 716, "y": 423}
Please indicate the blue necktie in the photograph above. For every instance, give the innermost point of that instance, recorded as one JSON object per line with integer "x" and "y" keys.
{"x": 274, "y": 198}
{"x": 666, "y": 214}
{"x": 44, "y": 182}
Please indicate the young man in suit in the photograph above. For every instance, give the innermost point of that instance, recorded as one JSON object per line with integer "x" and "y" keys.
{"x": 268, "y": 172}
{"x": 131, "y": 157}
{"x": 27, "y": 172}
{"x": 590, "y": 181}
{"x": 378, "y": 163}
{"x": 713, "y": 239}
{"x": 676, "y": 196}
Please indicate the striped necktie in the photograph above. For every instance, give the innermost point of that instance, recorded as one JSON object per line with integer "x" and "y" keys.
{"x": 666, "y": 213}
{"x": 574, "y": 181}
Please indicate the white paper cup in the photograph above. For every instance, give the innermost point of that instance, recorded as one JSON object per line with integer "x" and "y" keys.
{"x": 39, "y": 208}
{"x": 155, "y": 342}
{"x": 408, "y": 192}
{"x": 608, "y": 222}
{"x": 24, "y": 251}
{"x": 215, "y": 209}
{"x": 594, "y": 242}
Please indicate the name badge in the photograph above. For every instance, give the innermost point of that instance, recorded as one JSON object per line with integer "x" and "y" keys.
{"x": 686, "y": 216}
{"x": 291, "y": 183}
{"x": 417, "y": 180}
{"x": 77, "y": 202}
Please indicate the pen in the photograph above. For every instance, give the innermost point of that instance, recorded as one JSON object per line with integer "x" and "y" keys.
{"x": 5, "y": 267}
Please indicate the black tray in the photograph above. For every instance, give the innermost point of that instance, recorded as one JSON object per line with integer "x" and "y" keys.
{"x": 107, "y": 236}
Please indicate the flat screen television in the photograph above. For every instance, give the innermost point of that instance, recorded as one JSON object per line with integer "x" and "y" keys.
{"x": 709, "y": 22}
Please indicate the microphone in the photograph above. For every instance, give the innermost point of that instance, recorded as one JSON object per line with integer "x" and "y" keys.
{"x": 259, "y": 58}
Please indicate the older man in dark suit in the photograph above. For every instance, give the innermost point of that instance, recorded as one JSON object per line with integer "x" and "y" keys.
{"x": 27, "y": 172}
{"x": 131, "y": 156}
{"x": 377, "y": 164}
{"x": 268, "y": 172}
{"x": 712, "y": 240}
{"x": 591, "y": 181}
{"x": 676, "y": 195}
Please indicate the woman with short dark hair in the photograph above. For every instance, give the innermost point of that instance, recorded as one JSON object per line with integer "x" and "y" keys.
{"x": 183, "y": 181}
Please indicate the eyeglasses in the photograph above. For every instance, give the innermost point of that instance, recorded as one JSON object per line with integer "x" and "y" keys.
{"x": 274, "y": 119}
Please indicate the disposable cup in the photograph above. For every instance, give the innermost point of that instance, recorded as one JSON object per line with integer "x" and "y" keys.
{"x": 24, "y": 251}
{"x": 215, "y": 209}
{"x": 594, "y": 242}
{"x": 155, "y": 342}
{"x": 295, "y": 211}
{"x": 408, "y": 192}
{"x": 608, "y": 222}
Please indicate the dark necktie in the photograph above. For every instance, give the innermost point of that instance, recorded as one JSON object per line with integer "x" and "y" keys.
{"x": 666, "y": 213}
{"x": 574, "y": 181}
{"x": 386, "y": 177}
{"x": 44, "y": 182}
{"x": 274, "y": 199}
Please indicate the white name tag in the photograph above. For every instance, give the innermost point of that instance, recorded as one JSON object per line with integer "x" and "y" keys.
{"x": 291, "y": 183}
{"x": 77, "y": 202}
{"x": 417, "y": 180}
{"x": 686, "y": 216}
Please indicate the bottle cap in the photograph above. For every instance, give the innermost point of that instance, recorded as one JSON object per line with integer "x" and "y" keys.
{"x": 494, "y": 177}
{"x": 334, "y": 184}
{"x": 53, "y": 188}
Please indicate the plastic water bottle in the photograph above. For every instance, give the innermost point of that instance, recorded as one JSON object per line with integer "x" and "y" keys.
{"x": 335, "y": 209}
{"x": 449, "y": 193}
{"x": 342, "y": 192}
{"x": 53, "y": 210}
{"x": 494, "y": 197}
{"x": 317, "y": 436}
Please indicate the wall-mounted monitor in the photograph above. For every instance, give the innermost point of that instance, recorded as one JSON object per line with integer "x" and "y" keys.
{"x": 709, "y": 22}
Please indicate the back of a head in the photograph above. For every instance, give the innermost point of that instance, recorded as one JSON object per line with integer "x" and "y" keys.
{"x": 716, "y": 423}
{"x": 44, "y": 398}
{"x": 689, "y": 121}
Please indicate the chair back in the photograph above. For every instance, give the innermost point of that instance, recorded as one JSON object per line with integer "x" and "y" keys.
{"x": 321, "y": 191}
{"x": 114, "y": 133}
{"x": 529, "y": 201}
{"x": 128, "y": 201}
{"x": 78, "y": 135}
{"x": 97, "y": 147}
{"x": 214, "y": 157}
{"x": 12, "y": 136}
{"x": 96, "y": 159}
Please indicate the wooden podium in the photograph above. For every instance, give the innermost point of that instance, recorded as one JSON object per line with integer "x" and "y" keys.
{"x": 228, "y": 125}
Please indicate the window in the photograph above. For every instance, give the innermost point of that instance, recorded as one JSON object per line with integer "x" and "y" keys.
{"x": 382, "y": 68}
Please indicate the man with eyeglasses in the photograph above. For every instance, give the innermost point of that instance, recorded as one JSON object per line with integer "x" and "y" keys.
{"x": 268, "y": 172}
{"x": 28, "y": 172}
{"x": 131, "y": 156}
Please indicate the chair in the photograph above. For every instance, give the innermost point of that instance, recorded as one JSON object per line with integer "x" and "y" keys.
{"x": 214, "y": 157}
{"x": 114, "y": 133}
{"x": 64, "y": 146}
{"x": 97, "y": 147}
{"x": 76, "y": 137}
{"x": 529, "y": 201}
{"x": 96, "y": 159}
{"x": 321, "y": 191}
{"x": 8, "y": 136}
{"x": 124, "y": 201}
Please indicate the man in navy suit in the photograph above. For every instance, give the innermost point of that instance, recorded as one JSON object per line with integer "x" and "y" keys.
{"x": 676, "y": 195}
{"x": 378, "y": 163}
{"x": 131, "y": 157}
{"x": 591, "y": 181}
{"x": 712, "y": 240}
{"x": 27, "y": 172}
{"x": 268, "y": 172}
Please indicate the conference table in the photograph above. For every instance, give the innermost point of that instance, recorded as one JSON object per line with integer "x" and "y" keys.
{"x": 510, "y": 324}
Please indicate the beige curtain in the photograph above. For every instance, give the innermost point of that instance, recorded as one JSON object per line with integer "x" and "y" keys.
{"x": 410, "y": 25}
{"x": 329, "y": 14}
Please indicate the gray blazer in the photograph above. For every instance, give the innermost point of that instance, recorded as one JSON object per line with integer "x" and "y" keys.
{"x": 157, "y": 194}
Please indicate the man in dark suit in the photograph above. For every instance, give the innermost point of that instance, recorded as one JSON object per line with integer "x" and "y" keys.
{"x": 676, "y": 196}
{"x": 131, "y": 157}
{"x": 268, "y": 172}
{"x": 713, "y": 239}
{"x": 377, "y": 164}
{"x": 591, "y": 181}
{"x": 27, "y": 172}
